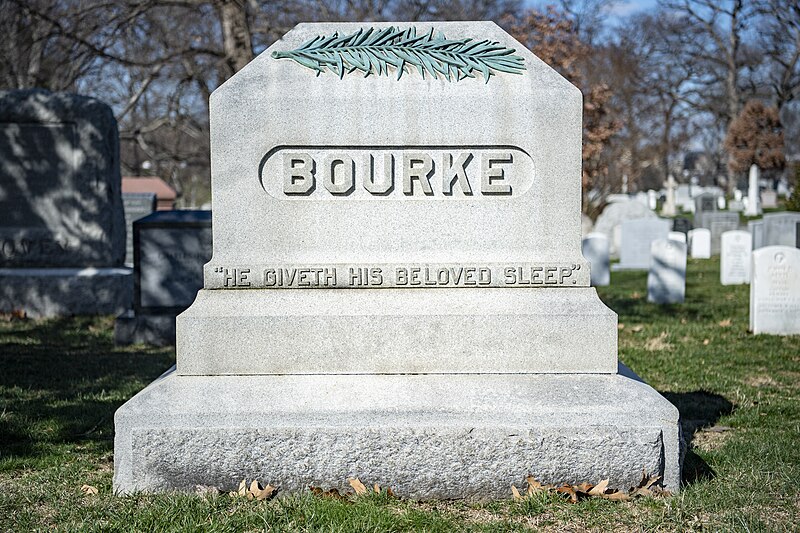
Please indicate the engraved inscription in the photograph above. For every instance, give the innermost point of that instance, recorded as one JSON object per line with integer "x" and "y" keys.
{"x": 374, "y": 173}
{"x": 396, "y": 276}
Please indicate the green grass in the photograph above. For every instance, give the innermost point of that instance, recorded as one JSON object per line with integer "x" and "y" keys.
{"x": 61, "y": 381}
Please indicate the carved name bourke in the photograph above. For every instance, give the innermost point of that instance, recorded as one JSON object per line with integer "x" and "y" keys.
{"x": 391, "y": 49}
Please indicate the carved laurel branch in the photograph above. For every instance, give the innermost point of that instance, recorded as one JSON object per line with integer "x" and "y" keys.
{"x": 376, "y": 51}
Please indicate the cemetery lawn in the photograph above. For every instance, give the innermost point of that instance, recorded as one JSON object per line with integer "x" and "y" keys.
{"x": 62, "y": 379}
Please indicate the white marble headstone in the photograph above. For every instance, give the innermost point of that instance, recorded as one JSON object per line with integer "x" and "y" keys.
{"x": 595, "y": 250}
{"x": 700, "y": 243}
{"x": 775, "y": 291}
{"x": 666, "y": 279}
{"x": 735, "y": 257}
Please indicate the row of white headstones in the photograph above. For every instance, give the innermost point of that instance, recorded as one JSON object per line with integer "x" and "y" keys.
{"x": 773, "y": 273}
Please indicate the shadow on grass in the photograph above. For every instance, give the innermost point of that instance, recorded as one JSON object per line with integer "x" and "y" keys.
{"x": 698, "y": 409}
{"x": 63, "y": 379}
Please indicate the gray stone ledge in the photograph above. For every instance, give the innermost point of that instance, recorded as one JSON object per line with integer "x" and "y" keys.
{"x": 397, "y": 331}
{"x": 47, "y": 292}
{"x": 427, "y": 436}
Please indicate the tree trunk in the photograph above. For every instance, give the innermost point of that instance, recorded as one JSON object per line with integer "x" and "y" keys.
{"x": 236, "y": 36}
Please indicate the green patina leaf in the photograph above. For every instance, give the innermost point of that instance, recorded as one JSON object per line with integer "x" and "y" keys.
{"x": 390, "y": 49}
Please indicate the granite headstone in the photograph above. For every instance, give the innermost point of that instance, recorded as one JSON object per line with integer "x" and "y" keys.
{"x": 62, "y": 228}
{"x": 396, "y": 294}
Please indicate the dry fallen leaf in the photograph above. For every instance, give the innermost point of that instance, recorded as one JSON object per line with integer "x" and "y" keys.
{"x": 705, "y": 342}
{"x": 617, "y": 496}
{"x": 515, "y": 493}
{"x": 637, "y": 328}
{"x": 568, "y": 491}
{"x": 89, "y": 490}
{"x": 258, "y": 493}
{"x": 357, "y": 485}
{"x": 725, "y": 323}
{"x": 600, "y": 488}
{"x": 376, "y": 488}
{"x": 331, "y": 493}
{"x": 620, "y": 326}
{"x": 636, "y": 295}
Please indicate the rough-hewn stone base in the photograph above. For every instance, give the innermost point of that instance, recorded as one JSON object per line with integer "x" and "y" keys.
{"x": 425, "y": 436}
{"x": 133, "y": 328}
{"x": 44, "y": 292}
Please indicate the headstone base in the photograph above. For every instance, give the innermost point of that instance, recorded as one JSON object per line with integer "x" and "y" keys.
{"x": 47, "y": 292}
{"x": 142, "y": 328}
{"x": 425, "y": 436}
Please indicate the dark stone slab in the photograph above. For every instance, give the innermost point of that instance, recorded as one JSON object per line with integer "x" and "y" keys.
{"x": 60, "y": 201}
{"x": 137, "y": 205}
{"x": 170, "y": 249}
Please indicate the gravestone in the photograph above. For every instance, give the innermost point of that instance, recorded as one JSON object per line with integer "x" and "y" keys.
{"x": 670, "y": 208}
{"x": 769, "y": 199}
{"x": 595, "y": 250}
{"x": 797, "y": 235}
{"x": 736, "y": 206}
{"x": 719, "y": 223}
{"x": 682, "y": 224}
{"x": 677, "y": 236}
{"x": 171, "y": 248}
{"x": 136, "y": 205}
{"x": 780, "y": 229}
{"x": 735, "y": 257}
{"x": 614, "y": 215}
{"x": 637, "y": 235}
{"x": 753, "y": 206}
{"x": 652, "y": 199}
{"x": 756, "y": 229}
{"x": 775, "y": 291}
{"x": 395, "y": 294}
{"x": 683, "y": 197}
{"x": 700, "y": 243}
{"x": 62, "y": 229}
{"x": 666, "y": 278}
{"x": 704, "y": 204}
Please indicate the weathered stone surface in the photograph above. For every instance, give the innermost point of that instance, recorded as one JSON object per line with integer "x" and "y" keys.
{"x": 60, "y": 202}
{"x": 491, "y": 330}
{"x": 46, "y": 292}
{"x": 468, "y": 436}
{"x": 775, "y": 291}
{"x": 595, "y": 250}
{"x": 666, "y": 279}
{"x": 735, "y": 258}
{"x": 718, "y": 223}
{"x": 637, "y": 236}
